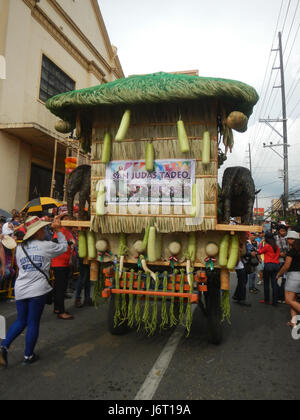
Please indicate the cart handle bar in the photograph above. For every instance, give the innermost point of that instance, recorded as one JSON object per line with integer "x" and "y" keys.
{"x": 192, "y": 297}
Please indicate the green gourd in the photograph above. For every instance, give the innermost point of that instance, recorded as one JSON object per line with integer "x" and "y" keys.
{"x": 91, "y": 245}
{"x": 151, "y": 246}
{"x": 125, "y": 123}
{"x": 182, "y": 137}
{"x": 206, "y": 148}
{"x": 100, "y": 202}
{"x": 106, "y": 149}
{"x": 192, "y": 244}
{"x": 223, "y": 253}
{"x": 149, "y": 157}
{"x": 82, "y": 245}
{"x": 234, "y": 253}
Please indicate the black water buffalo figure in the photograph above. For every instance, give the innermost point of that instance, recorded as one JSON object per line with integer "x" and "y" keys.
{"x": 79, "y": 182}
{"x": 238, "y": 194}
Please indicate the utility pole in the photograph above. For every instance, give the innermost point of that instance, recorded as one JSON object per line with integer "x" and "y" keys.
{"x": 284, "y": 136}
{"x": 257, "y": 192}
{"x": 250, "y": 159}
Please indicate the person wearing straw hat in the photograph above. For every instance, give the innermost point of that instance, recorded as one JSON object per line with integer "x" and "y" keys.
{"x": 31, "y": 288}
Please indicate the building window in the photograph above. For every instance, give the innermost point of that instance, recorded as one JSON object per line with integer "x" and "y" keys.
{"x": 53, "y": 80}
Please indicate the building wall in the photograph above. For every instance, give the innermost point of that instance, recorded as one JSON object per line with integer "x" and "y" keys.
{"x": 69, "y": 34}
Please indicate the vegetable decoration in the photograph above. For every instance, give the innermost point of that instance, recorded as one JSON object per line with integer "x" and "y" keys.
{"x": 91, "y": 245}
{"x": 124, "y": 298}
{"x": 212, "y": 251}
{"x": 164, "y": 313}
{"x": 225, "y": 306}
{"x": 196, "y": 205}
{"x": 100, "y": 203}
{"x": 174, "y": 248}
{"x": 237, "y": 121}
{"x": 182, "y": 137}
{"x": 206, "y": 148}
{"x": 153, "y": 324}
{"x": 146, "y": 314}
{"x": 228, "y": 139}
{"x": 234, "y": 253}
{"x": 122, "y": 250}
{"x": 173, "y": 319}
{"x": 137, "y": 310}
{"x": 82, "y": 245}
{"x": 181, "y": 299}
{"x": 125, "y": 123}
{"x": 224, "y": 247}
{"x": 106, "y": 149}
{"x": 151, "y": 246}
{"x": 130, "y": 315}
{"x": 117, "y": 316}
{"x": 150, "y": 157}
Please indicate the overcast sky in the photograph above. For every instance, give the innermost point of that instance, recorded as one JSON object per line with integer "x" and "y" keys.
{"x": 229, "y": 39}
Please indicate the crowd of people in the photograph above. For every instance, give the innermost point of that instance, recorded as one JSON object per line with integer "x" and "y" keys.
{"x": 47, "y": 263}
{"x": 271, "y": 259}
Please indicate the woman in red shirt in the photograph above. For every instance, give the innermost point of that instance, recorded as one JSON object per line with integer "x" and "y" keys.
{"x": 61, "y": 269}
{"x": 271, "y": 259}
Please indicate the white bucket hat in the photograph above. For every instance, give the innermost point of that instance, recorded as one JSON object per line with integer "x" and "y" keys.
{"x": 6, "y": 230}
{"x": 32, "y": 225}
{"x": 292, "y": 235}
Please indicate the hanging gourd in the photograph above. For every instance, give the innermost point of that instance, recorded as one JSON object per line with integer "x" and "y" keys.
{"x": 149, "y": 157}
{"x": 82, "y": 245}
{"x": 106, "y": 149}
{"x": 224, "y": 247}
{"x": 151, "y": 246}
{"x": 206, "y": 148}
{"x": 91, "y": 245}
{"x": 237, "y": 121}
{"x": 234, "y": 253}
{"x": 124, "y": 126}
{"x": 196, "y": 204}
{"x": 182, "y": 137}
{"x": 63, "y": 127}
{"x": 100, "y": 202}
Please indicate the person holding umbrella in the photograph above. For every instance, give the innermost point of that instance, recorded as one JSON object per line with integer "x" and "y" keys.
{"x": 31, "y": 287}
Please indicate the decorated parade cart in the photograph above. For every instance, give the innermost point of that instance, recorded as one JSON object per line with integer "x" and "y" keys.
{"x": 159, "y": 230}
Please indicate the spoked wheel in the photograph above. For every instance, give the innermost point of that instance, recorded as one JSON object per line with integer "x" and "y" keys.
{"x": 119, "y": 329}
{"x": 213, "y": 306}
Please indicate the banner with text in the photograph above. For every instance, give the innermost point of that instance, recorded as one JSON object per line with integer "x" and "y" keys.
{"x": 171, "y": 182}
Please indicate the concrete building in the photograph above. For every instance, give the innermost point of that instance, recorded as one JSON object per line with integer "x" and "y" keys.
{"x": 46, "y": 47}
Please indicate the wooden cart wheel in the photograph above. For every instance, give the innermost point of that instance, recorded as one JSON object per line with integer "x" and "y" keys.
{"x": 120, "y": 329}
{"x": 213, "y": 306}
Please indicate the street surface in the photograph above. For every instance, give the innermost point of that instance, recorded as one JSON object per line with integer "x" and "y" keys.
{"x": 81, "y": 360}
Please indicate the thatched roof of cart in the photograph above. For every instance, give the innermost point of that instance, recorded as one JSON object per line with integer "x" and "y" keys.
{"x": 155, "y": 88}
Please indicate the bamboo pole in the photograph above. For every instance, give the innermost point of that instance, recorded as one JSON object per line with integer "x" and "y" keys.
{"x": 53, "y": 170}
{"x": 65, "y": 183}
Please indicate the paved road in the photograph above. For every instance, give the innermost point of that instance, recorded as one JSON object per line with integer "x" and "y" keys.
{"x": 81, "y": 360}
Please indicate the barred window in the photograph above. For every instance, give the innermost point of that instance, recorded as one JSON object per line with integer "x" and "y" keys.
{"x": 53, "y": 80}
